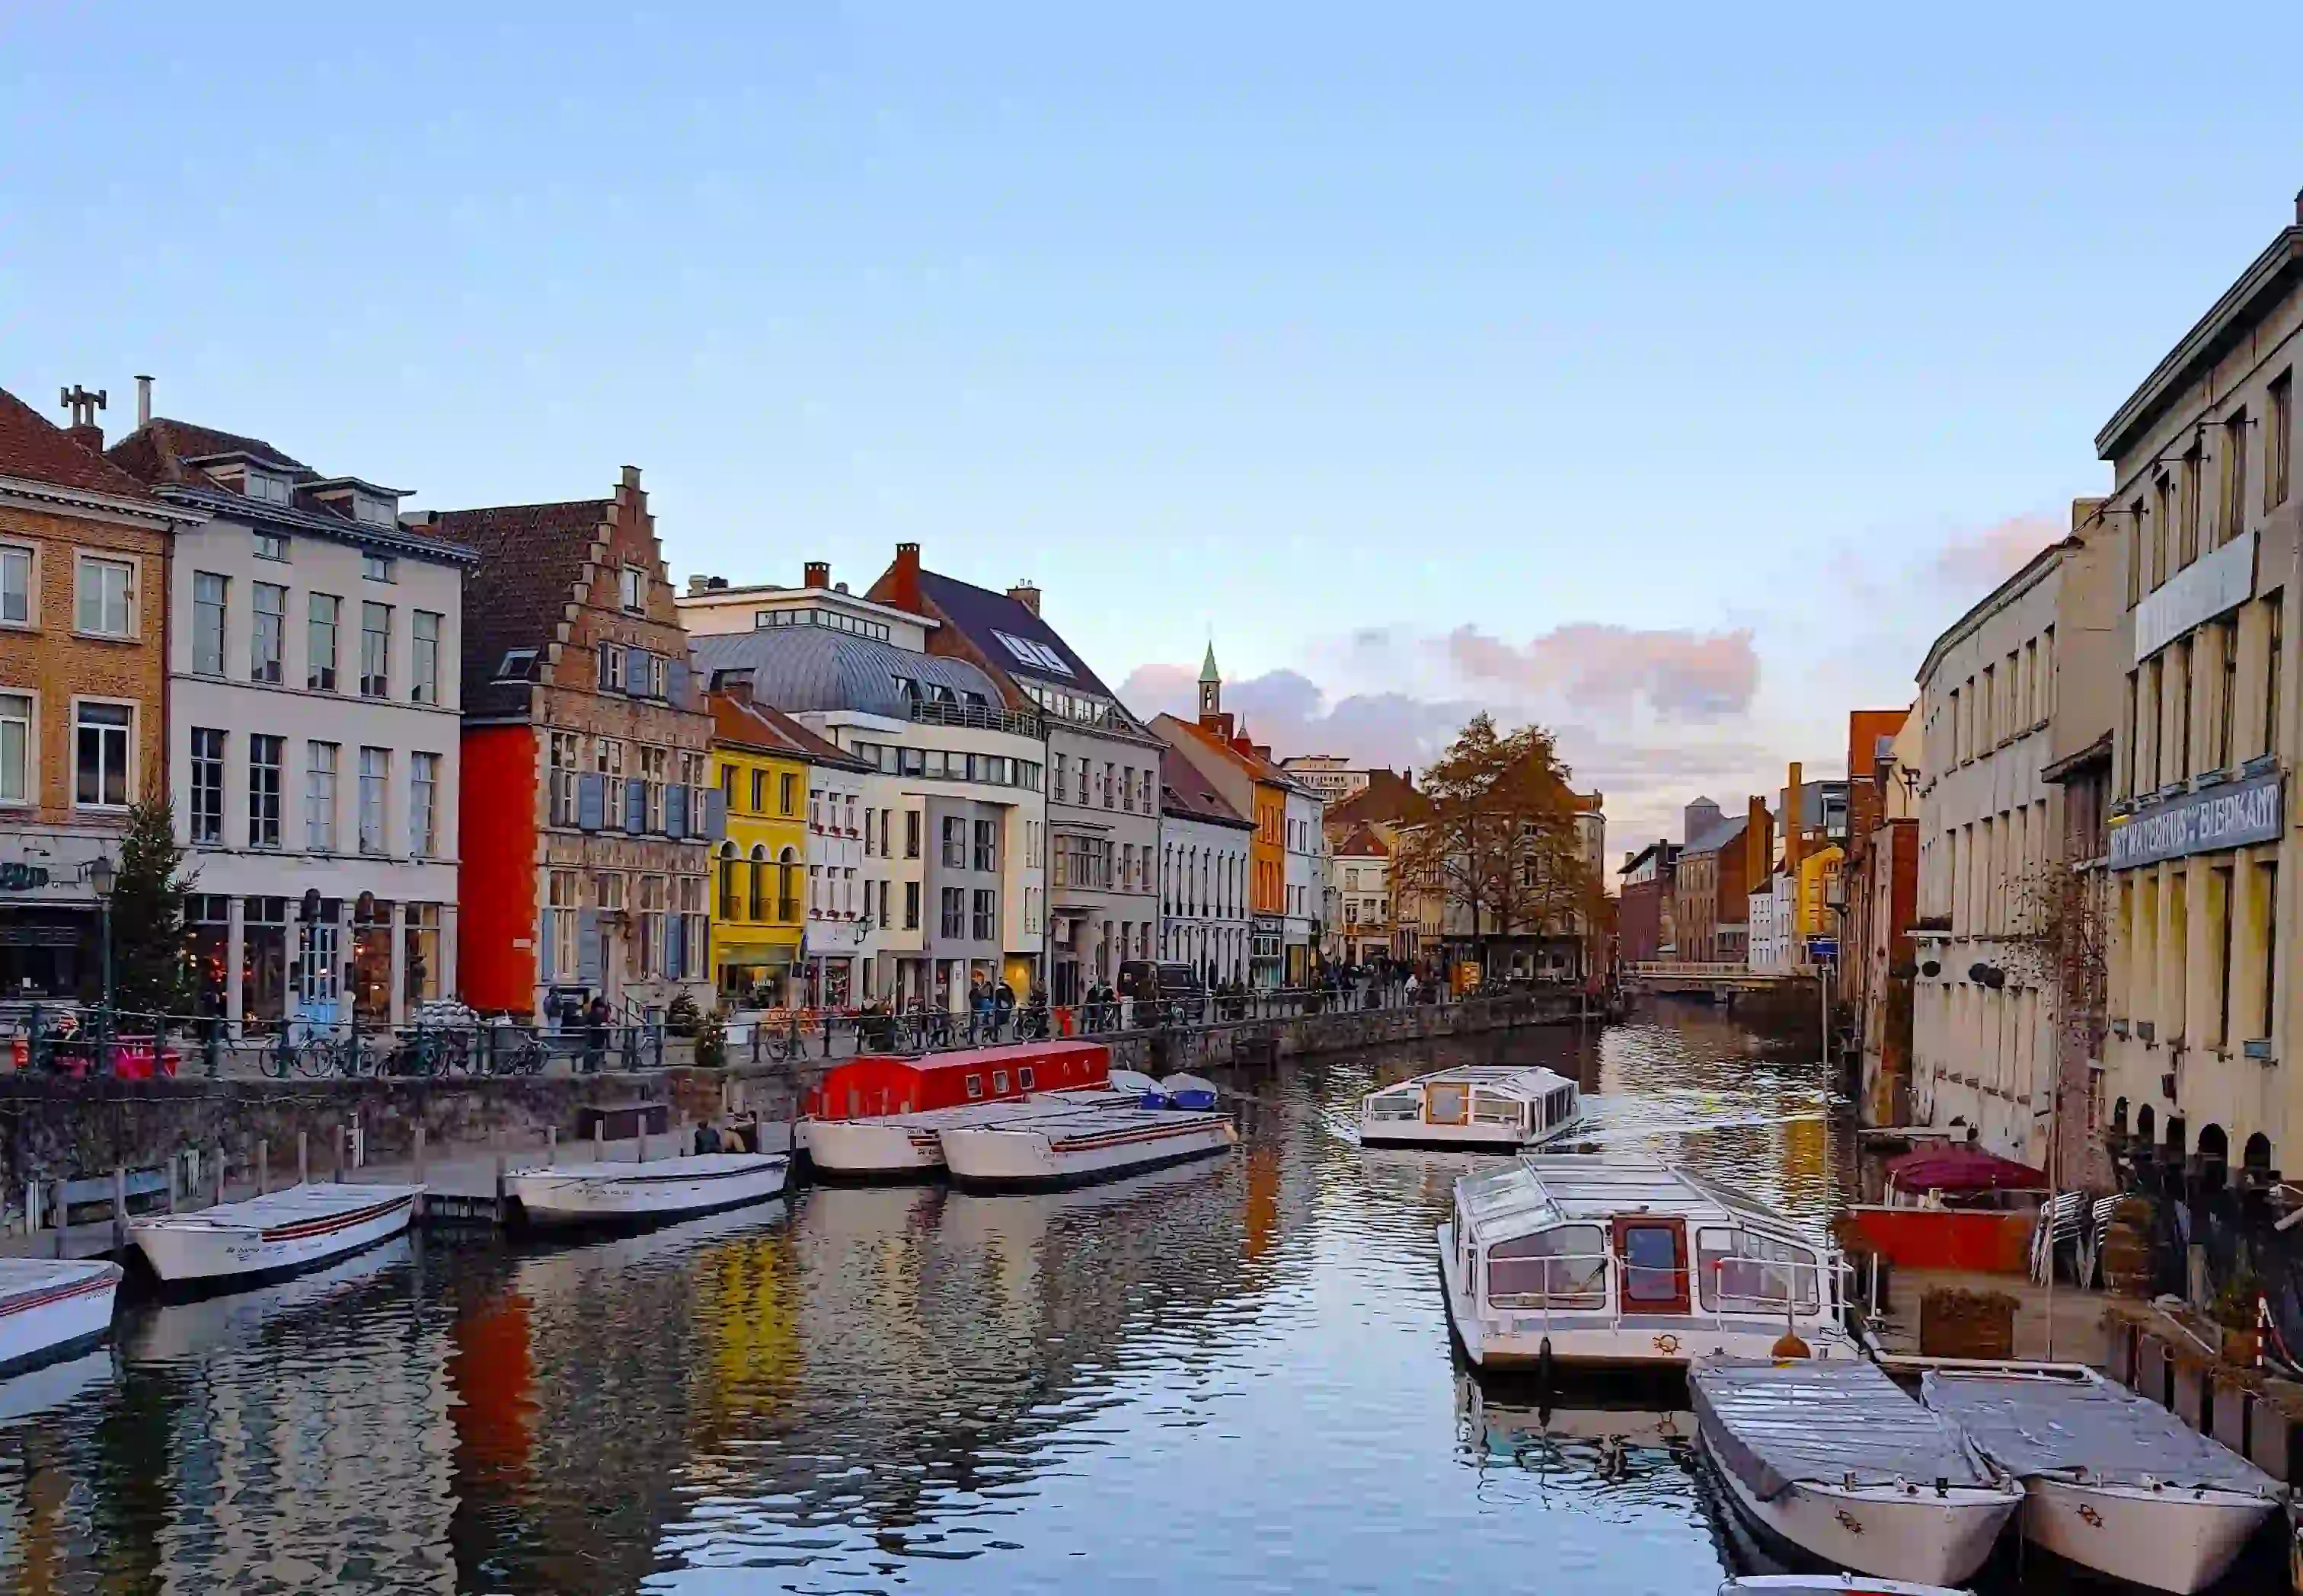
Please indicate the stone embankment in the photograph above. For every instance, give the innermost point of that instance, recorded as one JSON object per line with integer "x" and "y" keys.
{"x": 58, "y": 1127}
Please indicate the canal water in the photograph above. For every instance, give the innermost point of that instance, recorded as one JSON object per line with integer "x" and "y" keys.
{"x": 1236, "y": 1376}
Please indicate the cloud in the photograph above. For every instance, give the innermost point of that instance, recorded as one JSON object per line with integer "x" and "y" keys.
{"x": 1682, "y": 674}
{"x": 1975, "y": 562}
{"x": 1292, "y": 714}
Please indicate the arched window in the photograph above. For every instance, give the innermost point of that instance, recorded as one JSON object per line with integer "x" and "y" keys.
{"x": 788, "y": 885}
{"x": 2175, "y": 1143}
{"x": 2214, "y": 1146}
{"x": 2118, "y": 1117}
{"x": 2145, "y": 1122}
{"x": 2257, "y": 1156}
{"x": 727, "y": 905}
{"x": 759, "y": 883}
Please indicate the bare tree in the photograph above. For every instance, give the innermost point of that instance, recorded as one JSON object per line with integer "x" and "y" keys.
{"x": 2061, "y": 945}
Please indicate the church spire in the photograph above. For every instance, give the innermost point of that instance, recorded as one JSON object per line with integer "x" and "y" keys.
{"x": 1210, "y": 684}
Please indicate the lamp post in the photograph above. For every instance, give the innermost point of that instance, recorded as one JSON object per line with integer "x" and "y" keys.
{"x": 103, "y": 876}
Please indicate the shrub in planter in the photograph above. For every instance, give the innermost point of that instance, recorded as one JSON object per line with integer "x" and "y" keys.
{"x": 711, "y": 1040}
{"x": 684, "y": 1016}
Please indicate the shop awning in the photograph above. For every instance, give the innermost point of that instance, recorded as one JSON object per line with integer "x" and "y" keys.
{"x": 751, "y": 955}
{"x": 1962, "y": 1169}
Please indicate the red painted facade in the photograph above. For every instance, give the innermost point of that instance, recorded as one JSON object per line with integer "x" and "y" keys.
{"x": 497, "y": 916}
{"x": 878, "y": 1084}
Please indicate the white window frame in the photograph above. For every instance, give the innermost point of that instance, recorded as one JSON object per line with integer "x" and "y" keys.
{"x": 424, "y": 675}
{"x": 272, "y": 545}
{"x": 211, "y": 665}
{"x": 82, "y": 561}
{"x": 423, "y": 817}
{"x": 31, "y": 555}
{"x": 377, "y": 568}
{"x": 223, "y": 784}
{"x": 31, "y": 794}
{"x": 131, "y": 775}
{"x": 374, "y": 842}
{"x": 313, "y": 663}
{"x": 322, "y": 840}
{"x": 631, "y": 590}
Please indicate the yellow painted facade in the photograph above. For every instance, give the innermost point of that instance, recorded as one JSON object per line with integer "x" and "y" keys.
{"x": 1818, "y": 870}
{"x": 759, "y": 872}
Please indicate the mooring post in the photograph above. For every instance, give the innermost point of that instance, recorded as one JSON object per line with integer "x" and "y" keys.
{"x": 340, "y": 1155}
{"x": 419, "y": 1155}
{"x": 263, "y": 1166}
{"x": 219, "y": 1175}
{"x": 599, "y": 1138}
{"x": 639, "y": 1123}
{"x": 63, "y": 1215}
{"x": 303, "y": 1158}
{"x": 497, "y": 1137}
{"x": 550, "y": 1144}
{"x": 31, "y": 1208}
{"x": 175, "y": 1176}
{"x": 119, "y": 1207}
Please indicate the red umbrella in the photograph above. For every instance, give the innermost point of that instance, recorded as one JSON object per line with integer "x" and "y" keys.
{"x": 1962, "y": 1169}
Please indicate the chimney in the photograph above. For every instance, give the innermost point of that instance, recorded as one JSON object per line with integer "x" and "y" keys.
{"x": 1026, "y": 592}
{"x": 83, "y": 406}
{"x": 815, "y": 573}
{"x": 736, "y": 683}
{"x": 1759, "y": 842}
{"x": 699, "y": 583}
{"x": 143, "y": 401}
{"x": 903, "y": 578}
{"x": 1794, "y": 822}
{"x": 2299, "y": 208}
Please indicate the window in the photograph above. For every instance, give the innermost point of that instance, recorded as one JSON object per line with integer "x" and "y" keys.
{"x": 271, "y": 545}
{"x": 1127, "y": 791}
{"x": 2194, "y": 467}
{"x": 980, "y": 926}
{"x": 787, "y": 793}
{"x": 1063, "y": 783}
{"x": 103, "y": 592}
{"x": 1109, "y": 777}
{"x": 1566, "y": 1265}
{"x": 955, "y": 842}
{"x": 987, "y": 850}
{"x": 1751, "y": 1273}
{"x": 320, "y": 797}
{"x": 2225, "y": 708}
{"x": 424, "y": 660}
{"x": 911, "y": 906}
{"x": 322, "y": 611}
{"x": 420, "y": 960}
{"x": 659, "y": 676}
{"x": 264, "y": 755}
{"x": 608, "y": 760}
{"x": 2280, "y": 445}
{"x": 633, "y": 590}
{"x": 267, "y": 486}
{"x": 2234, "y": 505}
{"x": 376, "y": 568}
{"x": 2276, "y": 647}
{"x": 954, "y": 920}
{"x": 375, "y": 781}
{"x": 16, "y": 587}
{"x": 562, "y": 956}
{"x": 2134, "y": 554}
{"x": 208, "y": 592}
{"x": 694, "y": 926}
{"x": 423, "y": 800}
{"x": 612, "y": 667}
{"x": 883, "y": 902}
{"x": 651, "y": 913}
{"x": 271, "y": 627}
{"x": 563, "y": 753}
{"x": 654, "y": 766}
{"x": 1039, "y": 655}
{"x": 103, "y": 734}
{"x": 206, "y": 822}
{"x": 376, "y": 651}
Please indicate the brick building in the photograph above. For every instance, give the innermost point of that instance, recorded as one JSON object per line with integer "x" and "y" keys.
{"x": 1712, "y": 882}
{"x": 589, "y": 817}
{"x": 83, "y": 587}
{"x": 1643, "y": 914}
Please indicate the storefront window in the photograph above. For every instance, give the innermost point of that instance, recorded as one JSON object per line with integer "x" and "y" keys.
{"x": 263, "y": 961}
{"x": 371, "y": 961}
{"x": 207, "y": 936}
{"x": 420, "y": 968}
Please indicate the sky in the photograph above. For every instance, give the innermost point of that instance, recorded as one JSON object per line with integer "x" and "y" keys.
{"x": 1668, "y": 376}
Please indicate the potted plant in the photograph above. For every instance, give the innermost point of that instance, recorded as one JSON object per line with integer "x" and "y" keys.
{"x": 2234, "y": 1310}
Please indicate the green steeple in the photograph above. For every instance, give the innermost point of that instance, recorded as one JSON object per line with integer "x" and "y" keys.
{"x": 1208, "y": 671}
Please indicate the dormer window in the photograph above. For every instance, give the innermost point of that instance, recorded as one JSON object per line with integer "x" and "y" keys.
{"x": 271, "y": 545}
{"x": 269, "y": 487}
{"x": 519, "y": 665}
{"x": 371, "y": 510}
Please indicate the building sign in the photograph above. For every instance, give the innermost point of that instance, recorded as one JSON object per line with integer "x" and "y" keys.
{"x": 2206, "y": 588}
{"x": 18, "y": 877}
{"x": 1823, "y": 949}
{"x": 2232, "y": 816}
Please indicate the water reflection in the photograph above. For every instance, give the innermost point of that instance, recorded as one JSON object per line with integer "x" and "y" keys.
{"x": 1232, "y": 1376}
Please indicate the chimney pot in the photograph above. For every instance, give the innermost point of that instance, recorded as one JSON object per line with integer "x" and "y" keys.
{"x": 1026, "y": 592}
{"x": 143, "y": 401}
{"x": 904, "y": 580}
{"x": 2299, "y": 208}
{"x": 815, "y": 573}
{"x": 699, "y": 583}
{"x": 89, "y": 437}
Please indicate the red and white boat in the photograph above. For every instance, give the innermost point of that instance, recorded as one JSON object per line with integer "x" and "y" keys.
{"x": 881, "y": 1116}
{"x": 51, "y": 1308}
{"x": 273, "y": 1235}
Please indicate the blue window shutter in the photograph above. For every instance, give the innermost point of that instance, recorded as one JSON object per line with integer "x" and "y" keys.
{"x": 682, "y": 684}
{"x": 635, "y": 805}
{"x": 675, "y": 810}
{"x": 591, "y": 801}
{"x": 587, "y": 946}
{"x": 715, "y": 814}
{"x": 675, "y": 931}
{"x": 636, "y": 673}
{"x": 544, "y": 951}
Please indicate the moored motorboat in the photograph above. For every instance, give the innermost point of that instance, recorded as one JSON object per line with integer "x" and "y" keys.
{"x": 1492, "y": 1107}
{"x": 1828, "y": 1584}
{"x": 1838, "y": 1462}
{"x": 53, "y": 1308}
{"x": 1191, "y": 1090}
{"x": 1583, "y": 1261}
{"x": 1074, "y": 1149}
{"x": 910, "y": 1146}
{"x": 275, "y": 1234}
{"x": 654, "y": 1191}
{"x": 2114, "y": 1482}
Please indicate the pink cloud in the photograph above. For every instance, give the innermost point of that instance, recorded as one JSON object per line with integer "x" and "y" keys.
{"x": 1683, "y": 674}
{"x": 1975, "y": 562}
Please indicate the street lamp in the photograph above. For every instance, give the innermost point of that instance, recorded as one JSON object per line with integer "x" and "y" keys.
{"x": 103, "y": 876}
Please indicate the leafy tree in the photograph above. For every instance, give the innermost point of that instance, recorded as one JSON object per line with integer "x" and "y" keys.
{"x": 151, "y": 974}
{"x": 1495, "y": 839}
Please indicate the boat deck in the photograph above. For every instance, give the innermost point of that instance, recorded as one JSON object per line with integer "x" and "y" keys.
{"x": 2041, "y": 1425}
{"x": 288, "y": 1210}
{"x": 1843, "y": 1422}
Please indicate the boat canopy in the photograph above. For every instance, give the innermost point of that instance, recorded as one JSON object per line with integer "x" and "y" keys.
{"x": 2084, "y": 1428}
{"x": 1516, "y": 1083}
{"x": 1774, "y": 1424}
{"x": 1962, "y": 1169}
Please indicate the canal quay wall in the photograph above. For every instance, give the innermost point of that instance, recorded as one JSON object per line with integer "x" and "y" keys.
{"x": 78, "y": 1129}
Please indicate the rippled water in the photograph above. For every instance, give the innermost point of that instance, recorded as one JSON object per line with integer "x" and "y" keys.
{"x": 1234, "y": 1376}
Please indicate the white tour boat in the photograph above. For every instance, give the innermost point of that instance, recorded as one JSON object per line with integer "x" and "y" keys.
{"x": 1477, "y": 1108}
{"x": 1074, "y": 1149}
{"x": 51, "y": 1308}
{"x": 910, "y": 1146}
{"x": 2115, "y": 1481}
{"x": 661, "y": 1189}
{"x": 1840, "y": 1464}
{"x": 1828, "y": 1584}
{"x": 1581, "y": 1261}
{"x": 276, "y": 1234}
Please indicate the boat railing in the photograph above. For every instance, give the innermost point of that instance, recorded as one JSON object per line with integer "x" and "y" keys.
{"x": 1566, "y": 1290}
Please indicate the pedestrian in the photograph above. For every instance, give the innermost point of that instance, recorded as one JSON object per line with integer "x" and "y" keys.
{"x": 595, "y": 1035}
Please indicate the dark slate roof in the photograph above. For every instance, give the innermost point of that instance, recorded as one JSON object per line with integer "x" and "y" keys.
{"x": 34, "y": 448}
{"x": 1718, "y": 837}
{"x": 979, "y": 613}
{"x": 770, "y": 730}
{"x": 1186, "y": 794}
{"x": 803, "y": 668}
{"x": 531, "y": 558}
{"x": 157, "y": 449}
{"x": 1362, "y": 843}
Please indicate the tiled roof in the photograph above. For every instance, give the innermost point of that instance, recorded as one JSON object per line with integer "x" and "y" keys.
{"x": 1362, "y": 843}
{"x": 34, "y": 448}
{"x": 979, "y": 613}
{"x": 1387, "y": 799}
{"x": 768, "y": 731}
{"x": 156, "y": 453}
{"x": 1186, "y": 794}
{"x": 531, "y": 558}
{"x": 803, "y": 668}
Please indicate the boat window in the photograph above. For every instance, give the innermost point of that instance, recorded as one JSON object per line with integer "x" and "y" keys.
{"x": 1450, "y": 1100}
{"x": 1024, "y": 1077}
{"x": 1565, "y": 1266}
{"x": 1747, "y": 1273}
{"x": 1488, "y": 1109}
{"x": 1651, "y": 1267}
{"x": 999, "y": 1081}
{"x": 975, "y": 1085}
{"x": 1395, "y": 1105}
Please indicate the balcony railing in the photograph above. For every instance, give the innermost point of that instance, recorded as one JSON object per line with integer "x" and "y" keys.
{"x": 930, "y": 712}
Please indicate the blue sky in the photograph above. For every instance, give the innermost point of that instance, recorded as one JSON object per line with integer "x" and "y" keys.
{"x": 1669, "y": 377}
